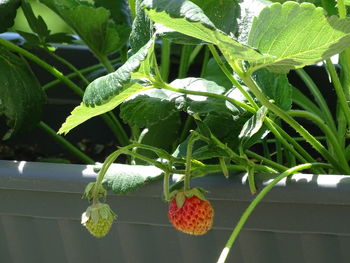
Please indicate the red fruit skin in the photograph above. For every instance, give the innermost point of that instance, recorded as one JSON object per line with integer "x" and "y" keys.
{"x": 195, "y": 217}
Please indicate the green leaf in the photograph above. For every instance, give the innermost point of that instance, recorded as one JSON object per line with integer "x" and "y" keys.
{"x": 141, "y": 31}
{"x": 108, "y": 92}
{"x": 252, "y": 127}
{"x": 223, "y": 14}
{"x": 226, "y": 21}
{"x": 8, "y": 10}
{"x": 103, "y": 89}
{"x": 119, "y": 10}
{"x": 83, "y": 112}
{"x": 201, "y": 105}
{"x": 21, "y": 96}
{"x": 93, "y": 25}
{"x": 214, "y": 73}
{"x": 122, "y": 179}
{"x": 187, "y": 18}
{"x": 60, "y": 38}
{"x": 276, "y": 87}
{"x": 163, "y": 135}
{"x": 247, "y": 16}
{"x": 37, "y": 24}
{"x": 148, "y": 108}
{"x": 296, "y": 35}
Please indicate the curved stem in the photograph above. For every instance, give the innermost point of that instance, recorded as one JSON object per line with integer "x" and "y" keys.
{"x": 56, "y": 73}
{"x": 318, "y": 97}
{"x": 327, "y": 131}
{"x": 339, "y": 90}
{"x": 269, "y": 162}
{"x": 165, "y": 60}
{"x": 230, "y": 76}
{"x": 74, "y": 74}
{"x": 254, "y": 203}
{"x": 68, "y": 64}
{"x": 288, "y": 119}
{"x": 187, "y": 179}
{"x": 184, "y": 61}
{"x": 67, "y": 145}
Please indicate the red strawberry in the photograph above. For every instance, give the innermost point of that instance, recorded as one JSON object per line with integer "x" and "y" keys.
{"x": 194, "y": 216}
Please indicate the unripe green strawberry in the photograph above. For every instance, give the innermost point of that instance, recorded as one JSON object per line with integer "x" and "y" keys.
{"x": 194, "y": 217}
{"x": 98, "y": 219}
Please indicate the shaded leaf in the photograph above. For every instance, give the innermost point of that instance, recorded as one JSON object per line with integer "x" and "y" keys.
{"x": 148, "y": 108}
{"x": 108, "y": 92}
{"x": 104, "y": 88}
{"x": 275, "y": 87}
{"x": 21, "y": 96}
{"x": 8, "y": 10}
{"x": 141, "y": 31}
{"x": 37, "y": 24}
{"x": 92, "y": 24}
{"x": 297, "y": 35}
{"x": 187, "y": 18}
{"x": 83, "y": 112}
{"x": 252, "y": 127}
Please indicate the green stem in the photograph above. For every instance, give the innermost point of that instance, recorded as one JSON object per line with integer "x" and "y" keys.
{"x": 166, "y": 192}
{"x": 187, "y": 179}
{"x": 105, "y": 62}
{"x": 277, "y": 166}
{"x": 74, "y": 74}
{"x": 339, "y": 90}
{"x": 59, "y": 75}
{"x": 132, "y": 8}
{"x": 67, "y": 145}
{"x": 184, "y": 61}
{"x": 194, "y": 54}
{"x": 341, "y": 8}
{"x": 56, "y": 73}
{"x": 288, "y": 119}
{"x": 254, "y": 203}
{"x": 230, "y": 76}
{"x": 69, "y": 65}
{"x": 165, "y": 60}
{"x": 205, "y": 61}
{"x": 318, "y": 97}
{"x": 327, "y": 131}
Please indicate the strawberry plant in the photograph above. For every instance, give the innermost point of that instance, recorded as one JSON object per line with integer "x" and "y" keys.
{"x": 203, "y": 88}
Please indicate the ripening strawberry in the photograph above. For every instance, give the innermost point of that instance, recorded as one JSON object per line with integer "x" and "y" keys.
{"x": 98, "y": 219}
{"x": 194, "y": 216}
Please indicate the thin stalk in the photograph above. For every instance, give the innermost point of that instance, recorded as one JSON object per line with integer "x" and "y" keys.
{"x": 230, "y": 76}
{"x": 288, "y": 119}
{"x": 56, "y": 73}
{"x": 69, "y": 65}
{"x": 254, "y": 203}
{"x": 194, "y": 53}
{"x": 105, "y": 62}
{"x": 67, "y": 145}
{"x": 339, "y": 90}
{"x": 74, "y": 74}
{"x": 59, "y": 75}
{"x": 184, "y": 61}
{"x": 205, "y": 61}
{"x": 165, "y": 60}
{"x": 187, "y": 179}
{"x": 318, "y": 97}
{"x": 278, "y": 146}
{"x": 341, "y": 8}
{"x": 340, "y": 154}
{"x": 186, "y": 128}
{"x": 166, "y": 192}
{"x": 277, "y": 166}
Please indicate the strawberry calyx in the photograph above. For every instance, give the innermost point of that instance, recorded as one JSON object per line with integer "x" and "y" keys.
{"x": 181, "y": 195}
{"x": 89, "y": 192}
{"x": 98, "y": 219}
